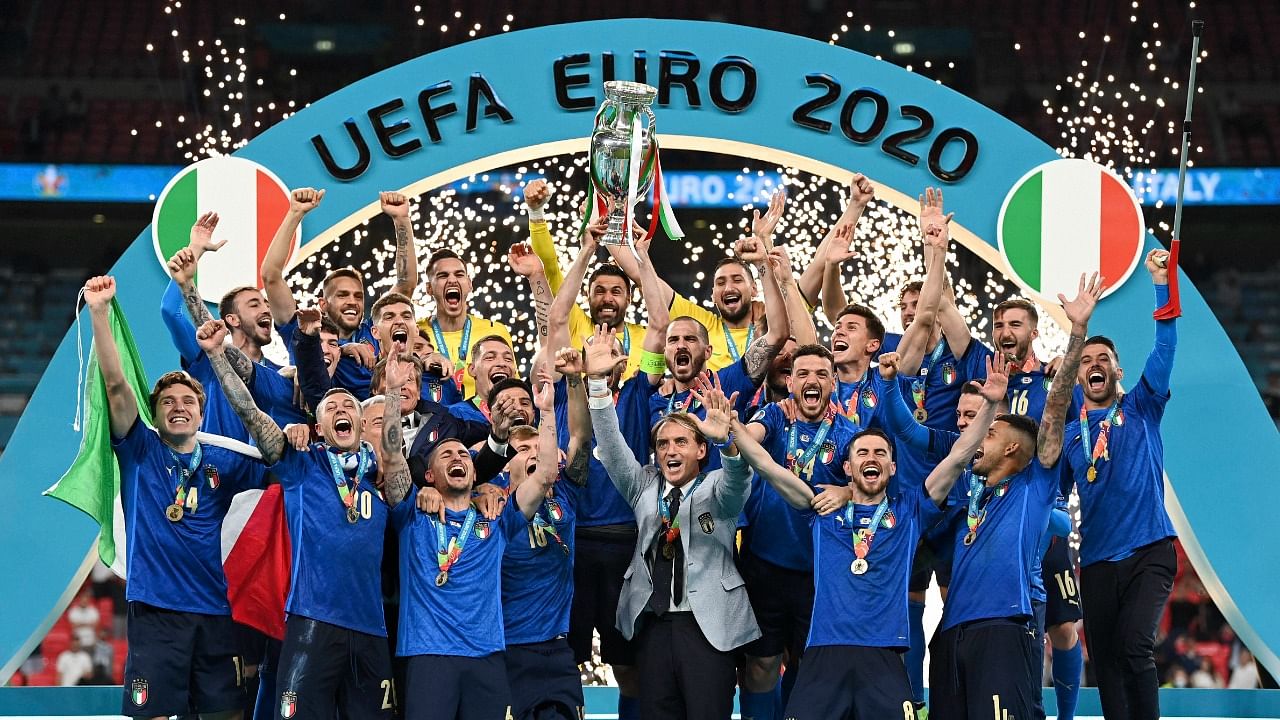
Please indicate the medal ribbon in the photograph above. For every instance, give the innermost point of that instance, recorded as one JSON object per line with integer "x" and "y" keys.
{"x": 664, "y": 509}
{"x": 548, "y": 525}
{"x": 346, "y": 487}
{"x": 732, "y": 347}
{"x": 797, "y": 464}
{"x": 463, "y": 347}
{"x": 862, "y": 538}
{"x": 917, "y": 385}
{"x": 447, "y": 554}
{"x": 185, "y": 472}
{"x": 671, "y": 402}
{"x": 978, "y": 514}
{"x": 1099, "y": 449}
{"x": 850, "y": 409}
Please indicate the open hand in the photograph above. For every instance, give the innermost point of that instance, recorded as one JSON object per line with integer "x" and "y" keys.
{"x": 202, "y": 235}
{"x": 600, "y": 361}
{"x": 1080, "y": 309}
{"x": 997, "y": 382}
{"x": 523, "y": 260}
{"x": 762, "y": 226}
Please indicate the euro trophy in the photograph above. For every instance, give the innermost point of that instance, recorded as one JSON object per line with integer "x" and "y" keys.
{"x": 623, "y": 137}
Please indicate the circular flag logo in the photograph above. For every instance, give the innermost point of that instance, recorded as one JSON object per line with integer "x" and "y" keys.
{"x": 1065, "y": 218}
{"x": 250, "y": 201}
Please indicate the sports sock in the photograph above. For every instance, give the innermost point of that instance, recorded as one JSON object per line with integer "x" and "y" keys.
{"x": 1067, "y": 667}
{"x": 760, "y": 706}
{"x": 915, "y": 653}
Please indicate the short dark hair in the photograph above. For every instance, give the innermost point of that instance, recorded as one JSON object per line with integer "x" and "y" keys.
{"x": 973, "y": 387}
{"x": 1016, "y": 303}
{"x": 813, "y": 349}
{"x": 329, "y": 326}
{"x": 686, "y": 421}
{"x": 874, "y": 325}
{"x": 474, "y": 351}
{"x": 610, "y": 270}
{"x": 1022, "y": 424}
{"x": 390, "y": 298}
{"x": 703, "y": 335}
{"x": 507, "y": 384}
{"x": 733, "y": 260}
{"x": 227, "y": 305}
{"x": 1103, "y": 340}
{"x": 176, "y": 377}
{"x": 915, "y": 286}
{"x": 443, "y": 254}
{"x": 380, "y": 369}
{"x": 347, "y": 272}
{"x": 872, "y": 432}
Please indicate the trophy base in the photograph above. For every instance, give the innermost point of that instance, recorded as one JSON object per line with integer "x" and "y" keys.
{"x": 613, "y": 238}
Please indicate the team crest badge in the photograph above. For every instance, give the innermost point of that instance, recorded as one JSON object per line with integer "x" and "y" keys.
{"x": 434, "y": 435}
{"x": 888, "y": 521}
{"x": 288, "y": 705}
{"x": 1119, "y": 421}
{"x": 554, "y": 510}
{"x": 482, "y": 530}
{"x": 948, "y": 373}
{"x": 138, "y": 692}
{"x": 706, "y": 522}
{"x": 435, "y": 392}
{"x": 828, "y": 452}
{"x": 1048, "y": 381}
{"x": 869, "y": 398}
{"x": 211, "y": 474}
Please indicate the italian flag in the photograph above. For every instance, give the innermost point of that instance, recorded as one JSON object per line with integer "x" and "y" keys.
{"x": 250, "y": 202}
{"x": 1068, "y": 217}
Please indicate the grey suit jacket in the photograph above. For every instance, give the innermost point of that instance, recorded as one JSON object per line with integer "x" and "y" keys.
{"x": 708, "y": 522}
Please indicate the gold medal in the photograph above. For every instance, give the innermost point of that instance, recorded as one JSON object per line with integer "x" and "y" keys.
{"x": 859, "y": 566}
{"x": 173, "y": 512}
{"x": 921, "y": 415}
{"x": 442, "y": 578}
{"x": 352, "y": 515}
{"x": 668, "y": 551}
{"x": 1091, "y": 473}
{"x": 970, "y": 537}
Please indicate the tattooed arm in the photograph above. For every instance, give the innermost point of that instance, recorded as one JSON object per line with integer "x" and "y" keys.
{"x": 396, "y": 206}
{"x": 182, "y": 266}
{"x": 264, "y": 431}
{"x": 396, "y": 479}
{"x": 1053, "y": 421}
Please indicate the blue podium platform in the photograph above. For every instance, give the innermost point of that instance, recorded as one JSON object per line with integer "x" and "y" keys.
{"x": 104, "y": 701}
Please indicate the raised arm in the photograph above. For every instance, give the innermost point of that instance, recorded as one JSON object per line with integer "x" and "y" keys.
{"x": 533, "y": 491}
{"x": 283, "y": 306}
{"x": 314, "y": 379}
{"x": 898, "y": 420}
{"x": 717, "y": 427}
{"x": 834, "y": 249}
{"x": 397, "y": 481}
{"x": 1053, "y": 421}
{"x": 799, "y": 318}
{"x": 658, "y": 310}
{"x": 396, "y": 206}
{"x": 122, "y": 404}
{"x": 795, "y": 491}
{"x": 569, "y": 364}
{"x": 611, "y": 448}
{"x": 182, "y": 268}
{"x": 1159, "y": 365}
{"x": 934, "y": 229}
{"x": 939, "y": 482}
{"x": 760, "y": 355}
{"x": 663, "y": 293}
{"x": 174, "y": 316}
{"x": 566, "y": 297}
{"x": 536, "y": 194}
{"x": 526, "y": 264}
{"x": 264, "y": 431}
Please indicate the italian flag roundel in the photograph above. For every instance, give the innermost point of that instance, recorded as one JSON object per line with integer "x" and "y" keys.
{"x": 250, "y": 201}
{"x": 1068, "y": 217}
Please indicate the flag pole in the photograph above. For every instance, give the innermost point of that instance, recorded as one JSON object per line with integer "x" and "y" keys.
{"x": 1173, "y": 308}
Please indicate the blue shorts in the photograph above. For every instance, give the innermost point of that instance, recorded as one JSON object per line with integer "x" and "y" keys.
{"x": 850, "y": 681}
{"x": 450, "y": 687}
{"x": 180, "y": 663}
{"x": 1061, "y": 586}
{"x": 544, "y": 681}
{"x": 326, "y": 669}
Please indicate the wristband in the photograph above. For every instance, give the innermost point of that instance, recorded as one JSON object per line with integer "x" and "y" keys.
{"x": 537, "y": 214}
{"x": 728, "y": 440}
{"x": 597, "y": 387}
{"x": 652, "y": 363}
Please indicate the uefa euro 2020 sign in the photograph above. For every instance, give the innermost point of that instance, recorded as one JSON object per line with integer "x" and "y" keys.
{"x": 721, "y": 88}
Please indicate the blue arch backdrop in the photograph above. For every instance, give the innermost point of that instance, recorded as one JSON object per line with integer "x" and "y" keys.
{"x": 749, "y": 86}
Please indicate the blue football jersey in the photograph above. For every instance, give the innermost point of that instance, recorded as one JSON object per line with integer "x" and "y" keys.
{"x": 537, "y": 570}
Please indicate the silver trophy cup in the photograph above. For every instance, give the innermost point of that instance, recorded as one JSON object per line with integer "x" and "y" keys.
{"x": 625, "y": 109}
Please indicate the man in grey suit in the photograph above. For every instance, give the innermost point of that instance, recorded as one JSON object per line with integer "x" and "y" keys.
{"x": 682, "y": 600}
